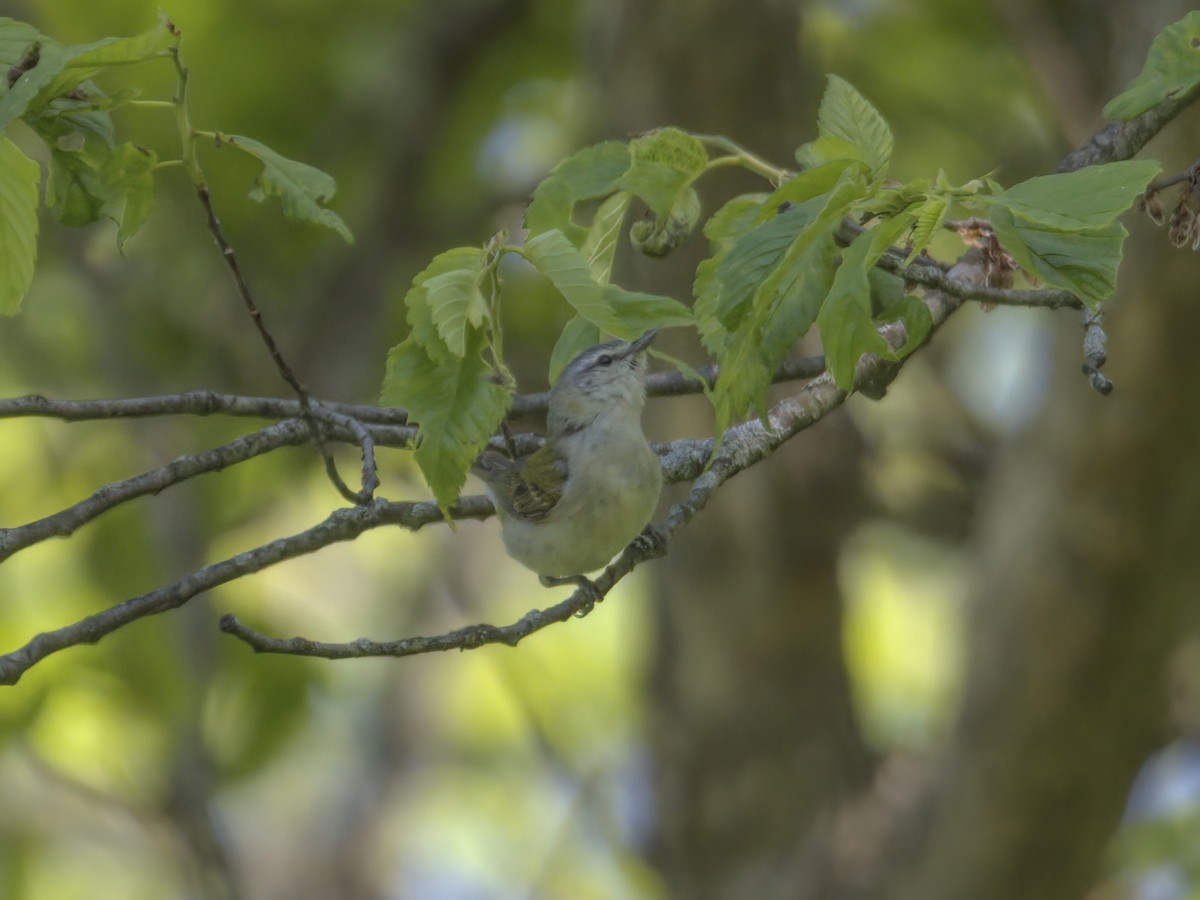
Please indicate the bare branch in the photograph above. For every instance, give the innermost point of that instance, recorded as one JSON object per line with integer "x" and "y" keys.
{"x": 341, "y": 525}
{"x": 65, "y": 522}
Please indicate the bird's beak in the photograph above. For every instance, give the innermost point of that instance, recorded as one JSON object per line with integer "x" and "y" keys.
{"x": 643, "y": 342}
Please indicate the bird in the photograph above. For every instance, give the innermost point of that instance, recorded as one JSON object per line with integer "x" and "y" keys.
{"x": 572, "y": 505}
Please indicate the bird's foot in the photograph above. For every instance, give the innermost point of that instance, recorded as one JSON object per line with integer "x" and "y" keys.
{"x": 591, "y": 593}
{"x": 650, "y": 544}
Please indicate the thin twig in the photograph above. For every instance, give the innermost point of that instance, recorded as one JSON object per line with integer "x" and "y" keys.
{"x": 308, "y": 412}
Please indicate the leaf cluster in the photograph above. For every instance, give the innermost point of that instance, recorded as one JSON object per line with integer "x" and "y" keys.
{"x": 92, "y": 173}
{"x": 803, "y": 253}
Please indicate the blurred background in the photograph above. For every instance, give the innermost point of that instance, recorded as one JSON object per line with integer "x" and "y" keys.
{"x": 925, "y": 648}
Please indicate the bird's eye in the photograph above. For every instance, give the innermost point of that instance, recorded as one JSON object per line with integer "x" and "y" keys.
{"x": 604, "y": 360}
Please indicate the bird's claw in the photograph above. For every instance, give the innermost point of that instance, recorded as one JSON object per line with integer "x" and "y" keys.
{"x": 650, "y": 544}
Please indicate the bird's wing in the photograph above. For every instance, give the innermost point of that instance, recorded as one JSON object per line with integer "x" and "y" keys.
{"x": 529, "y": 488}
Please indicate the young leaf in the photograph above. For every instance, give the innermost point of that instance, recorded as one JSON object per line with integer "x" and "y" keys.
{"x": 847, "y": 331}
{"x": 457, "y": 404}
{"x": 457, "y": 306}
{"x": 19, "y": 177}
{"x": 302, "y": 189}
{"x": 929, "y": 218}
{"x": 664, "y": 163}
{"x": 590, "y": 174}
{"x": 600, "y": 244}
{"x": 1072, "y": 201}
{"x": 443, "y": 300}
{"x": 1172, "y": 67}
{"x": 662, "y": 234}
{"x": 850, "y": 127}
{"x": 554, "y": 256}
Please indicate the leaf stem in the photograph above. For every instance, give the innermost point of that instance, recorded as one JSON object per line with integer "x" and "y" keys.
{"x": 740, "y": 156}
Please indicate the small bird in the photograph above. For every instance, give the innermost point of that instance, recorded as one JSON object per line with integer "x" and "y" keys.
{"x": 568, "y": 508}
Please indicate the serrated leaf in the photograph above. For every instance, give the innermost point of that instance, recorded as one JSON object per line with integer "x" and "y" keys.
{"x": 577, "y": 335}
{"x": 847, "y": 331}
{"x": 663, "y": 164}
{"x": 787, "y": 286}
{"x": 845, "y": 115}
{"x": 554, "y": 256}
{"x": 589, "y": 174}
{"x": 19, "y": 177}
{"x": 302, "y": 189}
{"x": 1172, "y": 67}
{"x": 439, "y": 323}
{"x": 457, "y": 306}
{"x": 1084, "y": 262}
{"x": 1073, "y": 201}
{"x": 825, "y": 149}
{"x": 929, "y": 218}
{"x": 457, "y": 404}
{"x": 600, "y": 245}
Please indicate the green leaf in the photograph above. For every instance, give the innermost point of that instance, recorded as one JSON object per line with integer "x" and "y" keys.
{"x": 891, "y": 303}
{"x": 457, "y": 404}
{"x": 577, "y": 335}
{"x": 443, "y": 302}
{"x": 1072, "y": 201}
{"x": 722, "y": 229}
{"x": 590, "y": 174}
{"x": 130, "y": 173}
{"x": 929, "y": 218}
{"x": 664, "y": 163}
{"x": 640, "y": 312}
{"x": 302, "y": 189}
{"x": 1172, "y": 68}
{"x": 554, "y": 256}
{"x": 19, "y": 177}
{"x": 15, "y": 40}
{"x": 811, "y": 184}
{"x": 847, "y": 330}
{"x": 1083, "y": 262}
{"x": 87, "y": 60}
{"x": 786, "y": 283}
{"x": 849, "y": 127}
{"x": 52, "y": 59}
{"x": 822, "y": 195}
{"x": 600, "y": 245}
{"x": 662, "y": 234}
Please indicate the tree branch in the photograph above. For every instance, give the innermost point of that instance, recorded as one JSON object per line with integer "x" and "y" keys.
{"x": 341, "y": 525}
